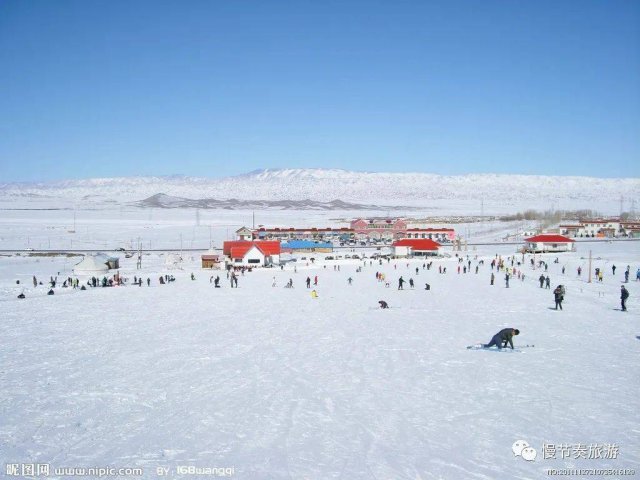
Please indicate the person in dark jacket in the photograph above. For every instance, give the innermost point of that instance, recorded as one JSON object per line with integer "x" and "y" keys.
{"x": 400, "y": 283}
{"x": 383, "y": 304}
{"x": 559, "y": 296}
{"x": 624, "y": 294}
{"x": 502, "y": 338}
{"x": 541, "y": 280}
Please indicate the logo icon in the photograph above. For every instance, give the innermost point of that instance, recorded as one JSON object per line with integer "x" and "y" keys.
{"x": 521, "y": 448}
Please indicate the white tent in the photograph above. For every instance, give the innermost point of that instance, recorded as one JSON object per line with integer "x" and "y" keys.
{"x": 173, "y": 260}
{"x": 91, "y": 265}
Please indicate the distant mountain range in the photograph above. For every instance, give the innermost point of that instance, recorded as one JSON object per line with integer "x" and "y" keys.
{"x": 340, "y": 189}
{"x": 160, "y": 200}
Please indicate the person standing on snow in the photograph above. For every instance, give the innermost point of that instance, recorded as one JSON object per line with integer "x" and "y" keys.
{"x": 624, "y": 294}
{"x": 400, "y": 283}
{"x": 502, "y": 338}
{"x": 541, "y": 280}
{"x": 559, "y": 296}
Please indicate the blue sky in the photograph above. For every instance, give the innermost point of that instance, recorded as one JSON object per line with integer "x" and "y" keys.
{"x": 216, "y": 88}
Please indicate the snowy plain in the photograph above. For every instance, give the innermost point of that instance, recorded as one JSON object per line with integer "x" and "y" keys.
{"x": 279, "y": 385}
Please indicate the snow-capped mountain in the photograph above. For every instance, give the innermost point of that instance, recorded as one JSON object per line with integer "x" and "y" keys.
{"x": 493, "y": 192}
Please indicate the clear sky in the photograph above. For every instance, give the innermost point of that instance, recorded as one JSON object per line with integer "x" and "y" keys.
{"x": 215, "y": 88}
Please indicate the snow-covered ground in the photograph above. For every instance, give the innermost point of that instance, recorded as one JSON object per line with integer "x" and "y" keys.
{"x": 278, "y": 385}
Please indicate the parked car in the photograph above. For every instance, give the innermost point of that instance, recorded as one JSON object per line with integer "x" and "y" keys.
{"x": 357, "y": 257}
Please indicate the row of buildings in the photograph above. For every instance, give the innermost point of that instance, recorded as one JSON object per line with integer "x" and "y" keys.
{"x": 602, "y": 228}
{"x": 253, "y": 253}
{"x": 360, "y": 230}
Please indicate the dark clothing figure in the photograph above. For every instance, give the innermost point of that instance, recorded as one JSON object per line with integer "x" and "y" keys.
{"x": 547, "y": 282}
{"x": 493, "y": 277}
{"x": 502, "y": 338}
{"x": 383, "y": 304}
{"x": 624, "y": 294}
{"x": 613, "y": 269}
{"x": 308, "y": 282}
{"x": 559, "y": 296}
{"x": 400, "y": 283}
{"x": 541, "y": 279}
{"x": 50, "y": 292}
{"x": 21, "y": 295}
{"x": 506, "y": 279}
{"x": 411, "y": 282}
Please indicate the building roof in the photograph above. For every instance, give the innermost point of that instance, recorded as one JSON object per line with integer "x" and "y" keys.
{"x": 549, "y": 238}
{"x": 430, "y": 229}
{"x": 238, "y": 248}
{"x": 306, "y": 244}
{"x": 417, "y": 243}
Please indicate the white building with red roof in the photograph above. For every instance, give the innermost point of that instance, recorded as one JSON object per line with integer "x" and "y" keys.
{"x": 243, "y": 253}
{"x": 415, "y": 247}
{"x": 547, "y": 243}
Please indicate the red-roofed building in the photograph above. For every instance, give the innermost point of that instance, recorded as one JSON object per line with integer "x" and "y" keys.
{"x": 414, "y": 247}
{"x": 252, "y": 254}
{"x": 548, "y": 243}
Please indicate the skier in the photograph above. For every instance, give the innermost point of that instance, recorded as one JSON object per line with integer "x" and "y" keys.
{"x": 315, "y": 280}
{"x": 503, "y": 337}
{"x": 624, "y": 294}
{"x": 411, "y": 282}
{"x": 308, "y": 282}
{"x": 506, "y": 278}
{"x": 613, "y": 269}
{"x": 216, "y": 282}
{"x": 547, "y": 282}
{"x": 541, "y": 280}
{"x": 400, "y": 283}
{"x": 148, "y": 282}
{"x": 35, "y": 281}
{"x": 558, "y": 295}
{"x": 383, "y": 304}
{"x": 350, "y": 280}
